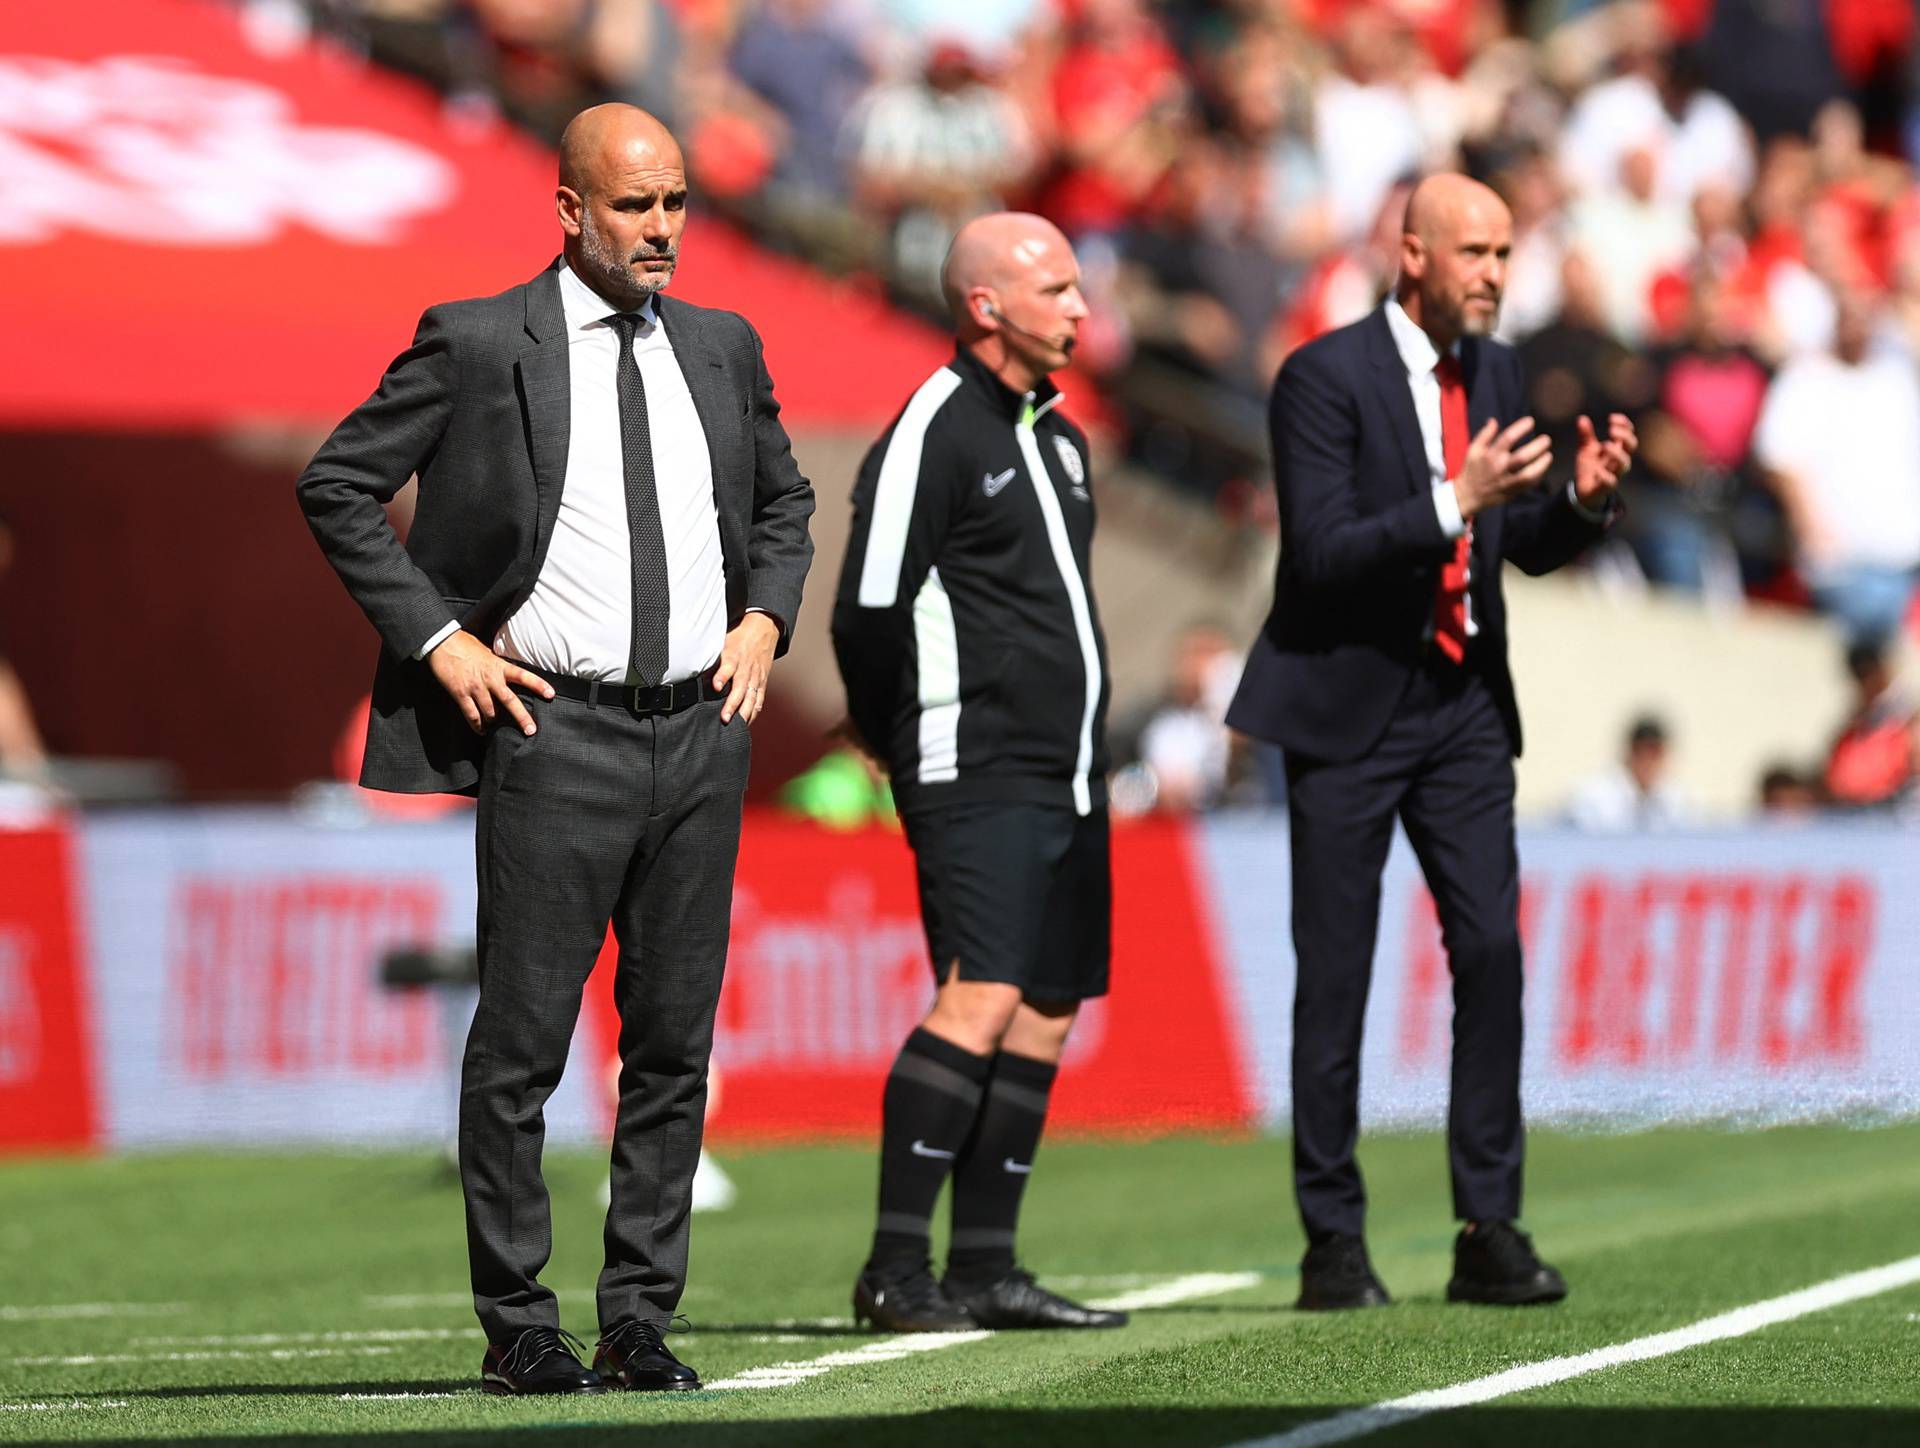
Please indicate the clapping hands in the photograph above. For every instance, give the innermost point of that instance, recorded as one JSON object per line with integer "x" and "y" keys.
{"x": 1598, "y": 466}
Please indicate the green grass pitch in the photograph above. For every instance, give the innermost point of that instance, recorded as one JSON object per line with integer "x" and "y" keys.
{"x": 266, "y": 1298}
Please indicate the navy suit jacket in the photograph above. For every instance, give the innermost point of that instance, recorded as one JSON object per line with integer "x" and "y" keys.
{"x": 1361, "y": 546}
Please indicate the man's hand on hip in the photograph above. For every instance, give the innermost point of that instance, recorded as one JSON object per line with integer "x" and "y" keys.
{"x": 1501, "y": 465}
{"x": 746, "y": 661}
{"x": 480, "y": 681}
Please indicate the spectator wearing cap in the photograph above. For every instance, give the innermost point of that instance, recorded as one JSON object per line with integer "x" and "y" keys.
{"x": 1637, "y": 793}
{"x": 932, "y": 150}
{"x": 1697, "y": 442}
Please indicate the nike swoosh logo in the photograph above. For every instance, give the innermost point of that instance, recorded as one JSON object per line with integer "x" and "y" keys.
{"x": 1016, "y": 1167}
{"x": 920, "y": 1148}
{"x": 994, "y": 482}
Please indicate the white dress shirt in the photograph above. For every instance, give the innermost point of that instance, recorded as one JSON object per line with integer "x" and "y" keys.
{"x": 1420, "y": 357}
{"x": 579, "y": 618}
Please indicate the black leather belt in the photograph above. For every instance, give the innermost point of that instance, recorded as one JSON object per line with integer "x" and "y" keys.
{"x": 634, "y": 698}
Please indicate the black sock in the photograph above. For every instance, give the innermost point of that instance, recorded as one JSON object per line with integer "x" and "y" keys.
{"x": 932, "y": 1096}
{"x": 992, "y": 1170}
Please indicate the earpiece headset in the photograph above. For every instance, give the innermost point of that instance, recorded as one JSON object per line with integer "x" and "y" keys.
{"x": 988, "y": 309}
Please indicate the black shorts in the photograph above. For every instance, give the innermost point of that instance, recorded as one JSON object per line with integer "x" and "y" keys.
{"x": 1021, "y": 894}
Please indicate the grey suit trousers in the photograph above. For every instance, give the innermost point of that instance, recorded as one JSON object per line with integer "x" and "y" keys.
{"x": 600, "y": 817}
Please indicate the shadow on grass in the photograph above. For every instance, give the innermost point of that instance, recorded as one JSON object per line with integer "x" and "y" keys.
{"x": 1066, "y": 1427}
{"x": 383, "y": 1386}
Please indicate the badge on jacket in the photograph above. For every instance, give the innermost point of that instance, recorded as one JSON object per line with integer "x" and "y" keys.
{"x": 1075, "y": 469}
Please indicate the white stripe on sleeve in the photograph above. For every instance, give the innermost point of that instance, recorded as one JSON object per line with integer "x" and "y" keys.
{"x": 893, "y": 495}
{"x": 937, "y": 645}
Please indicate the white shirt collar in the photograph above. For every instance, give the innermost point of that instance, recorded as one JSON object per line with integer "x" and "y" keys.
{"x": 584, "y": 307}
{"x": 1416, "y": 348}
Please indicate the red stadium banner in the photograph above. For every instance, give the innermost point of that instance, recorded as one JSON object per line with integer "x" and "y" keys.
{"x": 828, "y": 972}
{"x": 46, "y": 1075}
{"x": 218, "y": 232}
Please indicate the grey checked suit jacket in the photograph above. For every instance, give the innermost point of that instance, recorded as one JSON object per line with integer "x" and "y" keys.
{"x": 479, "y": 406}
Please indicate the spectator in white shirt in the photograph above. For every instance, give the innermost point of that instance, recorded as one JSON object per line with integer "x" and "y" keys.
{"x": 1840, "y": 437}
{"x": 1636, "y": 793}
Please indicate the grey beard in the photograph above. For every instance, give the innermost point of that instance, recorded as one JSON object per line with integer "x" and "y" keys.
{"x": 615, "y": 280}
{"x": 1474, "y": 327}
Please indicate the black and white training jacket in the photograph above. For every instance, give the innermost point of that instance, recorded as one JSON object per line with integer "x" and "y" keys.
{"x": 965, "y": 624}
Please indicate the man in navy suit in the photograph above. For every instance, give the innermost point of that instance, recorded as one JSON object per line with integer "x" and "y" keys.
{"x": 1406, "y": 473}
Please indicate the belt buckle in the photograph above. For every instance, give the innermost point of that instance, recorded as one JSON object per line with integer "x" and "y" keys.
{"x": 652, "y": 698}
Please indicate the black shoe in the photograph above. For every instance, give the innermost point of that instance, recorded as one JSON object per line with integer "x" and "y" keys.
{"x": 1335, "y": 1275}
{"x": 1015, "y": 1300}
{"x": 905, "y": 1298}
{"x": 1495, "y": 1262}
{"x": 634, "y": 1356}
{"x": 540, "y": 1360}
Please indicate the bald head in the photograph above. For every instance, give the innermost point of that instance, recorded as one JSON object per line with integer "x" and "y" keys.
{"x": 601, "y": 139}
{"x": 1454, "y": 246}
{"x": 1442, "y": 205}
{"x": 994, "y": 252}
{"x": 622, "y": 202}
{"x": 1014, "y": 290}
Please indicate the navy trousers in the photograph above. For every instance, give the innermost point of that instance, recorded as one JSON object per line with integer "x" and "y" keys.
{"x": 1444, "y": 769}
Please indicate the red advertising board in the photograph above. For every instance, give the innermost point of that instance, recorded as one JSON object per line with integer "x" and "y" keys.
{"x": 828, "y": 972}
{"x": 46, "y": 1077}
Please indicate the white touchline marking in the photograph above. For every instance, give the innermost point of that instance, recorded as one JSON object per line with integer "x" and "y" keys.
{"x": 1113, "y": 1279}
{"x": 1343, "y": 1427}
{"x": 89, "y": 1309}
{"x": 76, "y": 1406}
{"x": 401, "y": 1397}
{"x": 1182, "y": 1289}
{"x": 274, "y": 1339}
{"x": 87, "y": 1360}
{"x": 888, "y": 1349}
{"x": 782, "y": 1375}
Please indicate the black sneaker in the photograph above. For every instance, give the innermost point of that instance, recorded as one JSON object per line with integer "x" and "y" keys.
{"x": 903, "y": 1297}
{"x": 1335, "y": 1275}
{"x": 634, "y": 1355}
{"x": 1494, "y": 1262}
{"x": 540, "y": 1360}
{"x": 1015, "y": 1300}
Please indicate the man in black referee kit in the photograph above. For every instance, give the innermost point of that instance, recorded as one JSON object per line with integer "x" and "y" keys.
{"x": 976, "y": 670}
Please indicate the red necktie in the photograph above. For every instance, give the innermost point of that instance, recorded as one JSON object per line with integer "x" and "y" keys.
{"x": 1450, "y": 593}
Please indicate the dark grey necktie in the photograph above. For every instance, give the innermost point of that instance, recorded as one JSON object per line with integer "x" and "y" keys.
{"x": 645, "y": 540}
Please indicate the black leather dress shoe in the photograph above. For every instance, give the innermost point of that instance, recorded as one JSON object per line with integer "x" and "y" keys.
{"x": 903, "y": 1297}
{"x": 1015, "y": 1300}
{"x": 634, "y": 1356}
{"x": 1494, "y": 1262}
{"x": 1335, "y": 1275}
{"x": 540, "y": 1360}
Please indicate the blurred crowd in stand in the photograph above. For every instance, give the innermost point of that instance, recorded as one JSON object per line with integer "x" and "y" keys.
{"x": 1717, "y": 217}
{"x": 1717, "y": 225}
{"x": 1179, "y": 758}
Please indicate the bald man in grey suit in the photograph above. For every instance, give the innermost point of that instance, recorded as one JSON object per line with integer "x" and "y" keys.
{"x": 606, "y": 558}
